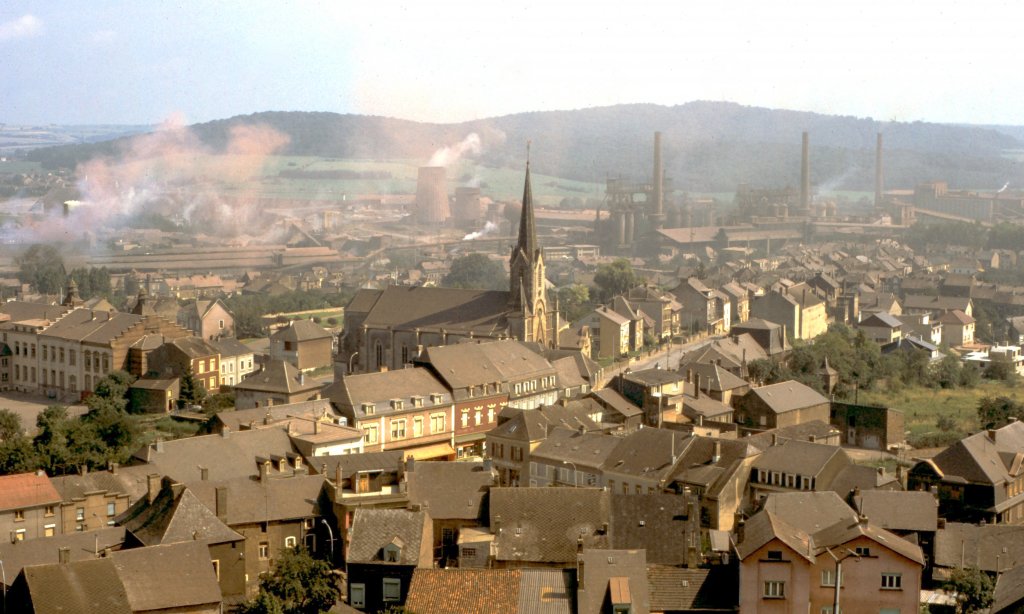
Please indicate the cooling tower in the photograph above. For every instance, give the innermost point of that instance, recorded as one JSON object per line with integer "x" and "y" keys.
{"x": 431, "y": 195}
{"x": 468, "y": 211}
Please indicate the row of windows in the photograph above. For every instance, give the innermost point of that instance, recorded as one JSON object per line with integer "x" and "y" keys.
{"x": 391, "y": 591}
{"x": 776, "y": 589}
{"x": 531, "y": 386}
{"x": 229, "y": 366}
{"x": 787, "y": 480}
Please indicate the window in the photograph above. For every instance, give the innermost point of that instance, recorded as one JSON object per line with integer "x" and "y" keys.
{"x": 368, "y": 409}
{"x": 357, "y": 595}
{"x": 863, "y": 551}
{"x": 398, "y": 429}
{"x": 216, "y": 568}
{"x": 490, "y": 414}
{"x": 774, "y": 589}
{"x": 44, "y": 352}
{"x": 111, "y": 508}
{"x": 417, "y": 426}
{"x": 79, "y": 514}
{"x": 19, "y": 535}
{"x": 762, "y": 476}
{"x": 19, "y": 515}
{"x": 48, "y": 530}
{"x": 465, "y": 418}
{"x": 476, "y": 417}
{"x": 370, "y": 433}
{"x": 892, "y": 581}
{"x": 436, "y": 423}
{"x": 62, "y": 354}
{"x": 50, "y": 510}
{"x": 397, "y": 404}
{"x": 264, "y": 551}
{"x": 220, "y": 324}
{"x": 392, "y": 589}
{"x": 289, "y": 542}
{"x": 828, "y": 577}
{"x": 202, "y": 366}
{"x": 469, "y": 552}
{"x": 775, "y": 555}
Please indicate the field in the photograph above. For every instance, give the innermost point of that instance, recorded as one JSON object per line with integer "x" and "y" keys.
{"x": 922, "y": 407}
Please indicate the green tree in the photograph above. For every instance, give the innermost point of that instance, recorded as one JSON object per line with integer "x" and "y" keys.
{"x": 18, "y": 455}
{"x": 476, "y": 271}
{"x": 948, "y": 372}
{"x": 574, "y": 301}
{"x": 1000, "y": 369}
{"x": 43, "y": 267}
{"x": 615, "y": 278}
{"x": 298, "y": 584}
{"x": 10, "y": 425}
{"x": 192, "y": 392}
{"x": 970, "y": 375}
{"x": 973, "y": 587}
{"x": 994, "y": 412}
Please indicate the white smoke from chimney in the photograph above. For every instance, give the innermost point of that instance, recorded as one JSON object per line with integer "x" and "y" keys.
{"x": 447, "y": 156}
{"x": 1003, "y": 189}
{"x": 488, "y": 228}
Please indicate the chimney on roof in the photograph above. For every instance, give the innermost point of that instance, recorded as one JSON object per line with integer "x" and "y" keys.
{"x": 583, "y": 429}
{"x": 204, "y": 474}
{"x": 775, "y": 439}
{"x": 152, "y": 487}
{"x": 64, "y": 556}
{"x": 221, "y": 504}
{"x": 264, "y": 470}
{"x": 862, "y": 519}
{"x": 224, "y": 432}
{"x": 113, "y": 468}
{"x": 716, "y": 454}
{"x": 316, "y": 426}
{"x": 992, "y": 435}
{"x": 83, "y": 469}
{"x": 410, "y": 465}
{"x": 696, "y": 388}
{"x": 302, "y": 378}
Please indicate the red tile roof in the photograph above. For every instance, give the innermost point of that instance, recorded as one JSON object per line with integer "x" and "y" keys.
{"x": 26, "y": 490}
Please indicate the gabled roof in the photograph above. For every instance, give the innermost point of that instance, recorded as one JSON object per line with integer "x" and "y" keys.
{"x": 467, "y": 364}
{"x": 252, "y": 501}
{"x": 80, "y": 587}
{"x": 278, "y": 376}
{"x": 897, "y": 510}
{"x": 172, "y": 576}
{"x": 955, "y": 317}
{"x": 455, "y": 310}
{"x": 845, "y": 531}
{"x": 650, "y": 454}
{"x": 442, "y": 591}
{"x": 352, "y": 391}
{"x": 571, "y": 446}
{"x": 373, "y": 529}
{"x": 983, "y": 546}
{"x": 678, "y": 589}
{"x": 613, "y": 400}
{"x": 765, "y": 526}
{"x": 656, "y": 523}
{"x": 788, "y": 396}
{"x": 714, "y": 378}
{"x": 450, "y": 491}
{"x": 194, "y": 347}
{"x": 24, "y": 490}
{"x": 176, "y": 515}
{"x": 612, "y": 576}
{"x": 798, "y": 457}
{"x": 301, "y": 330}
{"x": 229, "y": 347}
{"x": 81, "y": 546}
{"x": 881, "y": 319}
{"x": 977, "y": 458}
{"x": 810, "y": 511}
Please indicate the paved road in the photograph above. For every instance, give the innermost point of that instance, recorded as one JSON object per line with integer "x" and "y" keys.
{"x": 666, "y": 358}
{"x": 28, "y": 406}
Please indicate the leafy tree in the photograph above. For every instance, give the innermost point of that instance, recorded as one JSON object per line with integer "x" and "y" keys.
{"x": 298, "y": 584}
{"x": 43, "y": 267}
{"x": 17, "y": 455}
{"x": 945, "y": 423}
{"x": 219, "y": 402}
{"x": 112, "y": 388}
{"x": 994, "y": 412}
{"x": 974, "y": 588}
{"x": 615, "y": 278}
{"x": 970, "y": 375}
{"x": 574, "y": 301}
{"x": 51, "y": 441}
{"x": 948, "y": 372}
{"x": 476, "y": 271}
{"x": 1000, "y": 369}
{"x": 10, "y": 425}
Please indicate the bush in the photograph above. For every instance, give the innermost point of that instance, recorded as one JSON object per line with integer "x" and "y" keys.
{"x": 935, "y": 440}
{"x": 332, "y": 321}
{"x": 945, "y": 423}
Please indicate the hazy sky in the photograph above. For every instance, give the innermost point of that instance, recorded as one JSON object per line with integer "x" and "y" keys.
{"x": 138, "y": 61}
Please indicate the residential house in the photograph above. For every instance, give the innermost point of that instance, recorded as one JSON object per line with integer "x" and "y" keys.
{"x": 207, "y": 319}
{"x": 881, "y": 327}
{"x": 868, "y": 426}
{"x": 90, "y": 501}
{"x": 386, "y": 546}
{"x": 644, "y": 461}
{"x": 783, "y": 404}
{"x": 913, "y": 515}
{"x": 69, "y": 546}
{"x": 714, "y": 381}
{"x": 639, "y": 322}
{"x": 511, "y": 444}
{"x": 979, "y": 478}
{"x": 29, "y": 506}
{"x": 543, "y": 527}
{"x": 188, "y": 354}
{"x": 923, "y": 326}
{"x": 957, "y": 328}
{"x": 407, "y": 409}
{"x": 236, "y": 360}
{"x": 703, "y": 308}
{"x": 772, "y": 338}
{"x": 937, "y": 305}
{"x": 612, "y": 581}
{"x": 797, "y": 309}
{"x": 304, "y": 344}
{"x": 786, "y": 568}
{"x": 455, "y": 497}
{"x": 571, "y": 457}
{"x": 616, "y": 409}
{"x": 739, "y": 302}
{"x": 662, "y": 307}
{"x": 609, "y": 333}
{"x": 276, "y": 383}
{"x": 653, "y": 390}
{"x": 914, "y": 344}
{"x": 715, "y": 472}
{"x": 173, "y": 514}
{"x": 992, "y": 548}
{"x": 666, "y": 526}
{"x": 680, "y": 589}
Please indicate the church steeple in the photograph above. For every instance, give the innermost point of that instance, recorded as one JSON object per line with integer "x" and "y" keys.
{"x": 527, "y": 297}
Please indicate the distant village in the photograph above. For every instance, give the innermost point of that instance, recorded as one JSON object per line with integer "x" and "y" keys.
{"x": 649, "y": 406}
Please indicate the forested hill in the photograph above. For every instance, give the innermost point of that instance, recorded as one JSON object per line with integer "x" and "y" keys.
{"x": 709, "y": 146}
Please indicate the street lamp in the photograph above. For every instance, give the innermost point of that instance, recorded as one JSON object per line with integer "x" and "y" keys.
{"x": 575, "y": 473}
{"x": 350, "y": 359}
{"x": 331, "y": 541}
{"x": 839, "y": 574}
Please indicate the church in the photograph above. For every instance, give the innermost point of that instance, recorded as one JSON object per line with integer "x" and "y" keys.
{"x": 386, "y": 329}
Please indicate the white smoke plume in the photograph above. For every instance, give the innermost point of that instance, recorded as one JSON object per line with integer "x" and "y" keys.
{"x": 488, "y": 228}
{"x": 446, "y": 156}
{"x": 1003, "y": 189}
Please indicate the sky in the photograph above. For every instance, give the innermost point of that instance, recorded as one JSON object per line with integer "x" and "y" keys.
{"x": 143, "y": 61}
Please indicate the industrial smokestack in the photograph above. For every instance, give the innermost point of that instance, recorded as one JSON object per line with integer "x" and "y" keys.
{"x": 659, "y": 184}
{"x": 432, "y": 195}
{"x": 468, "y": 212}
{"x": 878, "y": 172}
{"x": 805, "y": 176}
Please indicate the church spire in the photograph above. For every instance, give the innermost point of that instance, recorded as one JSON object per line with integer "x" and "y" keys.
{"x": 527, "y": 227}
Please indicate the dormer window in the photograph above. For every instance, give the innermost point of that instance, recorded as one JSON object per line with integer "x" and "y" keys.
{"x": 392, "y": 553}
{"x": 368, "y": 409}
{"x": 417, "y": 401}
{"x": 396, "y": 404}
{"x": 435, "y": 399}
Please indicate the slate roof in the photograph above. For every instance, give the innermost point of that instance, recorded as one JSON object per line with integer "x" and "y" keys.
{"x": 845, "y": 531}
{"x": 979, "y": 459}
{"x": 900, "y": 510}
{"x": 955, "y": 317}
{"x": 788, "y": 396}
{"x": 235, "y": 419}
{"x": 76, "y": 486}
{"x": 89, "y": 326}
{"x": 815, "y": 429}
{"x": 679, "y": 589}
{"x": 697, "y": 467}
{"x": 881, "y": 318}
{"x": 225, "y": 457}
{"x": 351, "y": 464}
{"x": 81, "y": 546}
{"x": 81, "y": 587}
{"x": 610, "y": 398}
{"x": 170, "y": 576}
{"x": 1009, "y": 590}
{"x": 373, "y": 529}
{"x": 467, "y": 364}
{"x": 656, "y": 523}
{"x": 798, "y": 457}
{"x": 300, "y": 330}
{"x": 176, "y": 515}
{"x": 229, "y": 347}
{"x": 765, "y": 526}
{"x": 278, "y": 376}
{"x": 613, "y": 571}
{"x": 648, "y": 453}
{"x": 427, "y": 308}
{"x": 542, "y": 525}
{"x": 24, "y": 490}
{"x": 534, "y": 425}
{"x": 809, "y": 511}
{"x": 981, "y": 546}
{"x": 450, "y": 491}
{"x": 714, "y": 378}
{"x": 251, "y": 501}
{"x": 351, "y": 391}
{"x": 194, "y": 347}
{"x": 588, "y": 450}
